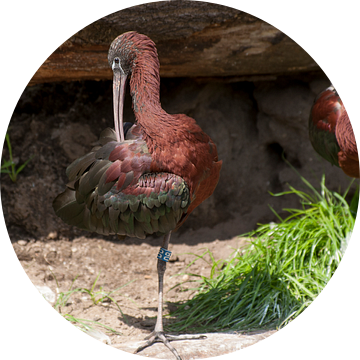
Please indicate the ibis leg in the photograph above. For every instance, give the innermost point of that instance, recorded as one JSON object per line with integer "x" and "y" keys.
{"x": 158, "y": 334}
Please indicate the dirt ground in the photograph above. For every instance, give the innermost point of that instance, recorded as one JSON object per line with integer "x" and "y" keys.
{"x": 55, "y": 263}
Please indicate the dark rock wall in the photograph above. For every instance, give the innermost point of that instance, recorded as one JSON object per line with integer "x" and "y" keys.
{"x": 193, "y": 39}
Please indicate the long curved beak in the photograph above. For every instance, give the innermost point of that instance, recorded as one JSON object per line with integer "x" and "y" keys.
{"x": 119, "y": 84}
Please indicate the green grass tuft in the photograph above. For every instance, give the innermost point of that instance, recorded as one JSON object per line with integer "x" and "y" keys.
{"x": 9, "y": 166}
{"x": 96, "y": 297}
{"x": 281, "y": 271}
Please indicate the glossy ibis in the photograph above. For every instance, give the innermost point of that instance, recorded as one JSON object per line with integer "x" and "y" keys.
{"x": 331, "y": 133}
{"x": 145, "y": 178}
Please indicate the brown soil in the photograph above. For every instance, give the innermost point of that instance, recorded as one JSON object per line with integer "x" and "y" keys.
{"x": 56, "y": 263}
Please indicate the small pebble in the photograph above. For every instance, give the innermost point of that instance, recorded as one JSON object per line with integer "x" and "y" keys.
{"x": 22, "y": 242}
{"x": 52, "y": 235}
{"x": 185, "y": 277}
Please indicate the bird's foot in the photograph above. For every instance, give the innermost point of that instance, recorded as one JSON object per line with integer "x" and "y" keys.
{"x": 159, "y": 336}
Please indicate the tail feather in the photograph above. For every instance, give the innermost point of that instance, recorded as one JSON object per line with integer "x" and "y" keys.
{"x": 68, "y": 209}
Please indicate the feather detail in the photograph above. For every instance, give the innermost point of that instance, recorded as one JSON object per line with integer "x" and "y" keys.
{"x": 331, "y": 133}
{"x": 114, "y": 172}
{"x": 114, "y": 191}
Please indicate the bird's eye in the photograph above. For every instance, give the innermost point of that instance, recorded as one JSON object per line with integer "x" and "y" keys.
{"x": 116, "y": 63}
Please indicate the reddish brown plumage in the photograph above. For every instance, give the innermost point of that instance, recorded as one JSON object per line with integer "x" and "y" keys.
{"x": 326, "y": 110}
{"x": 331, "y": 132}
{"x": 348, "y": 155}
{"x": 176, "y": 143}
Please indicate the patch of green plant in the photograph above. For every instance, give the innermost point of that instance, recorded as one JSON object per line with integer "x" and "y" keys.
{"x": 9, "y": 166}
{"x": 278, "y": 275}
{"x": 84, "y": 324}
{"x": 97, "y": 297}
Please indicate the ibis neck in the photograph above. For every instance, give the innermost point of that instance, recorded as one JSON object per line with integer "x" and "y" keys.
{"x": 145, "y": 93}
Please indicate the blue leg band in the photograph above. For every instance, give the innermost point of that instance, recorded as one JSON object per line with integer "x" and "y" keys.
{"x": 164, "y": 254}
